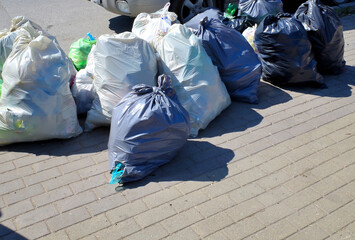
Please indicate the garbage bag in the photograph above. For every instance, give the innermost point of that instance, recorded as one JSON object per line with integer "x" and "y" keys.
{"x": 325, "y": 32}
{"x": 249, "y": 35}
{"x": 121, "y": 61}
{"x": 238, "y": 23}
{"x": 148, "y": 127}
{"x": 36, "y": 102}
{"x": 7, "y": 37}
{"x": 238, "y": 64}
{"x": 154, "y": 25}
{"x": 83, "y": 88}
{"x": 79, "y": 52}
{"x": 195, "y": 79}
{"x": 257, "y": 10}
{"x": 285, "y": 52}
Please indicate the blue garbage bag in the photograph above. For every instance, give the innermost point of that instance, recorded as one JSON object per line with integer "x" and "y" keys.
{"x": 238, "y": 64}
{"x": 325, "y": 32}
{"x": 148, "y": 127}
{"x": 286, "y": 52}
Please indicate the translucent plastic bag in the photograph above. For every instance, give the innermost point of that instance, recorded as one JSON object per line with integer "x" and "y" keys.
{"x": 195, "y": 79}
{"x": 83, "y": 88}
{"x": 79, "y": 52}
{"x": 7, "y": 37}
{"x": 249, "y": 35}
{"x": 36, "y": 102}
{"x": 121, "y": 61}
{"x": 149, "y": 126}
{"x": 154, "y": 25}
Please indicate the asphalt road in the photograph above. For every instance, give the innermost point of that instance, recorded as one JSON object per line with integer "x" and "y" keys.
{"x": 67, "y": 20}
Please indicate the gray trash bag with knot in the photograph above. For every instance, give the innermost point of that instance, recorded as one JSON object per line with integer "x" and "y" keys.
{"x": 148, "y": 128}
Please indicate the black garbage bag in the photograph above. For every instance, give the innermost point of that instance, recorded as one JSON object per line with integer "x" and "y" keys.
{"x": 238, "y": 64}
{"x": 257, "y": 10}
{"x": 148, "y": 128}
{"x": 325, "y": 32}
{"x": 285, "y": 52}
{"x": 239, "y": 23}
{"x": 291, "y": 6}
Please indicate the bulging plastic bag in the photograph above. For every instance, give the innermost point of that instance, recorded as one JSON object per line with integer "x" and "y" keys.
{"x": 325, "y": 32}
{"x": 285, "y": 52}
{"x": 79, "y": 52}
{"x": 149, "y": 126}
{"x": 121, "y": 62}
{"x": 154, "y": 25}
{"x": 36, "y": 102}
{"x": 249, "y": 35}
{"x": 238, "y": 64}
{"x": 7, "y": 37}
{"x": 257, "y": 10}
{"x": 238, "y": 23}
{"x": 195, "y": 79}
{"x": 83, "y": 88}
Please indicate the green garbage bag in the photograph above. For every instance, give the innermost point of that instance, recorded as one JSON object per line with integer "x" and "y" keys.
{"x": 79, "y": 52}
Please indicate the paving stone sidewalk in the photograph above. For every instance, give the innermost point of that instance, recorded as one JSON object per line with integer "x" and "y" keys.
{"x": 281, "y": 169}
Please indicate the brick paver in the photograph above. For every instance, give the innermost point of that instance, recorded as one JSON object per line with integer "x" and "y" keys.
{"x": 280, "y": 169}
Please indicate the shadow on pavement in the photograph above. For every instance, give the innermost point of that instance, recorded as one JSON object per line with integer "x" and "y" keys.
{"x": 7, "y": 233}
{"x": 121, "y": 24}
{"x": 240, "y": 116}
{"x": 338, "y": 86}
{"x": 191, "y": 164}
{"x": 90, "y": 142}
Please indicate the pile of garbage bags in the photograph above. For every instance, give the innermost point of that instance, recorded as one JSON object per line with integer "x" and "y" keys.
{"x": 162, "y": 82}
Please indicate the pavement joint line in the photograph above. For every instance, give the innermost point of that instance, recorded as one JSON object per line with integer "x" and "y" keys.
{"x": 256, "y": 180}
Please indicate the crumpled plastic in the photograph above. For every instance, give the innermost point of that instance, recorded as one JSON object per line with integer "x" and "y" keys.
{"x": 7, "y": 37}
{"x": 285, "y": 52}
{"x": 154, "y": 25}
{"x": 195, "y": 79}
{"x": 249, "y": 35}
{"x": 257, "y": 10}
{"x": 238, "y": 64}
{"x": 325, "y": 32}
{"x": 79, "y": 52}
{"x": 83, "y": 88}
{"x": 36, "y": 102}
{"x": 148, "y": 128}
{"x": 121, "y": 62}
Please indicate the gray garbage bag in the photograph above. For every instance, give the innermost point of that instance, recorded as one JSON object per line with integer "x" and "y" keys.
{"x": 238, "y": 64}
{"x": 7, "y": 37}
{"x": 148, "y": 127}
{"x": 121, "y": 61}
{"x": 195, "y": 79}
{"x": 36, "y": 102}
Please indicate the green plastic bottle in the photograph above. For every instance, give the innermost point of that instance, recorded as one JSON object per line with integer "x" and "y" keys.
{"x": 230, "y": 11}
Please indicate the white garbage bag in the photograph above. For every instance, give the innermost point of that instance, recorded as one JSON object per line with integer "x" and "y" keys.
{"x": 154, "y": 25}
{"x": 83, "y": 88}
{"x": 195, "y": 78}
{"x": 121, "y": 61}
{"x": 7, "y": 37}
{"x": 36, "y": 102}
